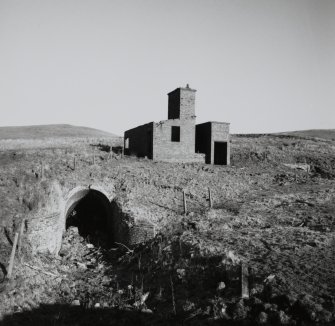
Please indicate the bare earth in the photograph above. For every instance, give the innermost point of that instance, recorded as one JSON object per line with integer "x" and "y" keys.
{"x": 277, "y": 220}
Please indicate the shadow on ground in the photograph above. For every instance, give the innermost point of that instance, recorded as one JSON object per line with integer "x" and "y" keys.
{"x": 60, "y": 314}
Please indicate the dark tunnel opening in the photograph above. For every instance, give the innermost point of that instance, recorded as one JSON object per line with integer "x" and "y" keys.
{"x": 90, "y": 212}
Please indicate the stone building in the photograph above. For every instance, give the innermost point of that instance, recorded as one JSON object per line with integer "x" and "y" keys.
{"x": 179, "y": 139}
{"x": 212, "y": 139}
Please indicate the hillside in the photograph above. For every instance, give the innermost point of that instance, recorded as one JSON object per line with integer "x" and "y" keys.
{"x": 272, "y": 211}
{"x": 313, "y": 133}
{"x": 51, "y": 131}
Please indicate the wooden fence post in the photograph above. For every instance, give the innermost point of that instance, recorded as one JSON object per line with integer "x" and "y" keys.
{"x": 244, "y": 281}
{"x": 42, "y": 170}
{"x": 184, "y": 202}
{"x": 210, "y": 198}
{"x": 20, "y": 237}
{"x": 12, "y": 256}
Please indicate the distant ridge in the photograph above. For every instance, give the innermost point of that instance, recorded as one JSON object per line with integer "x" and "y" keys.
{"x": 328, "y": 134}
{"x": 314, "y": 133}
{"x": 52, "y": 131}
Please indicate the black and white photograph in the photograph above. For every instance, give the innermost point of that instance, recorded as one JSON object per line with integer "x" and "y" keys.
{"x": 167, "y": 162}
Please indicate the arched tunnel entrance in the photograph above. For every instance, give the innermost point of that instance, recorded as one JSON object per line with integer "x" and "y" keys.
{"x": 90, "y": 211}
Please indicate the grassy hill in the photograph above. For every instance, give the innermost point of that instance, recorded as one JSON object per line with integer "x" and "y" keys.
{"x": 51, "y": 131}
{"x": 267, "y": 214}
{"x": 314, "y": 133}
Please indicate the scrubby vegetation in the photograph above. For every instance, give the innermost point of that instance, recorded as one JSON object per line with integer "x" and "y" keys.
{"x": 273, "y": 211}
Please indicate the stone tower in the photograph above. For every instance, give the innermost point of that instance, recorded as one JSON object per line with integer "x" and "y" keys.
{"x": 181, "y": 103}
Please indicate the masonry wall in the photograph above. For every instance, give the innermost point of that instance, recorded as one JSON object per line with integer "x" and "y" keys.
{"x": 220, "y": 132}
{"x": 140, "y": 233}
{"x": 203, "y": 140}
{"x": 166, "y": 150}
{"x": 174, "y": 104}
{"x": 181, "y": 113}
{"x": 181, "y": 103}
{"x": 46, "y": 224}
{"x": 140, "y": 141}
{"x": 154, "y": 139}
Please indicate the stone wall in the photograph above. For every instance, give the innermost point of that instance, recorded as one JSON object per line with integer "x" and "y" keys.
{"x": 45, "y": 232}
{"x": 181, "y": 103}
{"x": 183, "y": 151}
{"x": 174, "y": 104}
{"x": 141, "y": 231}
{"x": 203, "y": 140}
{"x": 187, "y": 103}
{"x": 220, "y": 133}
{"x": 207, "y": 134}
{"x": 139, "y": 141}
{"x": 46, "y": 226}
{"x": 154, "y": 139}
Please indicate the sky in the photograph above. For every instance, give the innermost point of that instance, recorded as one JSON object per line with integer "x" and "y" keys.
{"x": 262, "y": 65}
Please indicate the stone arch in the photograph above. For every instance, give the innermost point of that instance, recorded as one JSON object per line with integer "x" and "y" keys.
{"x": 89, "y": 209}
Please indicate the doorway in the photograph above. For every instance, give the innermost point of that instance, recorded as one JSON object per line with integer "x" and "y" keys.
{"x": 220, "y": 153}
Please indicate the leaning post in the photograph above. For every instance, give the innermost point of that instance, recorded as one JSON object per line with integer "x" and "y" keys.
{"x": 244, "y": 281}
{"x": 184, "y": 202}
{"x": 19, "y": 248}
{"x": 12, "y": 256}
{"x": 210, "y": 198}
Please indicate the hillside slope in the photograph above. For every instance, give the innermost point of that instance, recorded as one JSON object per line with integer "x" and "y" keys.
{"x": 314, "y": 133}
{"x": 267, "y": 213}
{"x": 51, "y": 131}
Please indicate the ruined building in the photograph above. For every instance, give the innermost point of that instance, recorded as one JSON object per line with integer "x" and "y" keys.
{"x": 179, "y": 139}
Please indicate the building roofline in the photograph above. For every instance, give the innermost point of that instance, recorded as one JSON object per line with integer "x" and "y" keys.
{"x": 140, "y": 126}
{"x": 184, "y": 89}
{"x": 217, "y": 122}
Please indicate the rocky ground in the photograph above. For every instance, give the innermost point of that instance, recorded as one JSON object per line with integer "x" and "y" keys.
{"x": 273, "y": 212}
